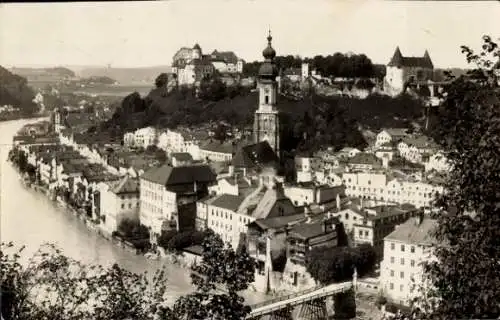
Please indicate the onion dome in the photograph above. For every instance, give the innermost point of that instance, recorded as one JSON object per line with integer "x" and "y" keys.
{"x": 268, "y": 69}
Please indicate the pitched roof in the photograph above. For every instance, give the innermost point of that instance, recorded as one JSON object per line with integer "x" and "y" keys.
{"x": 365, "y": 158}
{"x": 277, "y": 222}
{"x": 216, "y": 146}
{"x": 255, "y": 155}
{"x": 182, "y": 156}
{"x": 226, "y": 56}
{"x": 396, "y": 132}
{"x": 167, "y": 175}
{"x": 311, "y": 230}
{"x": 420, "y": 142}
{"x": 125, "y": 185}
{"x": 228, "y": 201}
{"x": 413, "y": 233}
{"x": 266, "y": 204}
{"x": 398, "y": 60}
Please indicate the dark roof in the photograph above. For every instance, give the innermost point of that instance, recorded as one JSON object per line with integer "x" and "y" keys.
{"x": 277, "y": 222}
{"x": 365, "y": 158}
{"x": 125, "y": 185}
{"x": 255, "y": 155}
{"x": 414, "y": 233}
{"x": 216, "y": 146}
{"x": 311, "y": 230}
{"x": 196, "y": 250}
{"x": 168, "y": 175}
{"x": 182, "y": 156}
{"x": 226, "y": 56}
{"x": 399, "y": 61}
{"x": 228, "y": 201}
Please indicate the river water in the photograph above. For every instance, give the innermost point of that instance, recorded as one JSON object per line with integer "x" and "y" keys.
{"x": 29, "y": 218}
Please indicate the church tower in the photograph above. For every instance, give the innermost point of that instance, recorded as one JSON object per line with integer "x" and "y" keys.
{"x": 266, "y": 122}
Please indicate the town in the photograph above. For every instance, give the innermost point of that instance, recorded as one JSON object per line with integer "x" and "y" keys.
{"x": 157, "y": 190}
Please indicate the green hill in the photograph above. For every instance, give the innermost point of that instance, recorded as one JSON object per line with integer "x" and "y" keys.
{"x": 15, "y": 91}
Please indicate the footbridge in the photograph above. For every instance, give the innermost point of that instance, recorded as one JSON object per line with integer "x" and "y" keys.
{"x": 312, "y": 301}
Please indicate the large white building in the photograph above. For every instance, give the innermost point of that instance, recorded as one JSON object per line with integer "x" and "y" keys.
{"x": 391, "y": 135}
{"x": 163, "y": 190}
{"x": 191, "y": 65}
{"x": 177, "y": 141}
{"x": 143, "y": 137}
{"x": 119, "y": 200}
{"x": 401, "y": 272}
{"x": 382, "y": 187}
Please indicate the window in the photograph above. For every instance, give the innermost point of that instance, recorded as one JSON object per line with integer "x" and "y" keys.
{"x": 392, "y": 246}
{"x": 402, "y": 274}
{"x": 392, "y": 259}
{"x": 392, "y": 273}
{"x": 412, "y": 249}
{"x": 391, "y": 286}
{"x": 366, "y": 233}
{"x": 401, "y": 287}
{"x": 402, "y": 261}
{"x": 129, "y": 205}
{"x": 123, "y": 206}
{"x": 266, "y": 100}
{"x": 402, "y": 248}
{"x": 412, "y": 263}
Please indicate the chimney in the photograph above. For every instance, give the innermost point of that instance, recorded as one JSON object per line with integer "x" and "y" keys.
{"x": 338, "y": 202}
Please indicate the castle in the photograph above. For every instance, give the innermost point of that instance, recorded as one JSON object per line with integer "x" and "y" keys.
{"x": 402, "y": 71}
{"x": 191, "y": 65}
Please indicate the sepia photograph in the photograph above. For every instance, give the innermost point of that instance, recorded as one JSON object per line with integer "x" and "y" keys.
{"x": 250, "y": 159}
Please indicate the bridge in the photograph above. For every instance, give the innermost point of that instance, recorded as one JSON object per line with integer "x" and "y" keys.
{"x": 312, "y": 301}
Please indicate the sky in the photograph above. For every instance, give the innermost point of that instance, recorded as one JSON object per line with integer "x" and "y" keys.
{"x": 138, "y": 34}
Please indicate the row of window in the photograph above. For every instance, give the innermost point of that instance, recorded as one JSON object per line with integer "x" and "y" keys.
{"x": 412, "y": 248}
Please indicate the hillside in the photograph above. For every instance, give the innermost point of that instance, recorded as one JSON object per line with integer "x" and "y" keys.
{"x": 15, "y": 91}
{"x": 34, "y": 74}
{"x": 126, "y": 75}
{"x": 309, "y": 124}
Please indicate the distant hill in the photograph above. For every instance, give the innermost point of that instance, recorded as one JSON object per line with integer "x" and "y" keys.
{"x": 126, "y": 75}
{"x": 34, "y": 74}
{"x": 15, "y": 91}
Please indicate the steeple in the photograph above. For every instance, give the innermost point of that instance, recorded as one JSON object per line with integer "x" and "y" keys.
{"x": 268, "y": 69}
{"x": 397, "y": 58}
{"x": 427, "y": 57}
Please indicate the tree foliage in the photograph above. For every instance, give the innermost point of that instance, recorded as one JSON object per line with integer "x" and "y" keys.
{"x": 464, "y": 282}
{"x": 220, "y": 266}
{"x": 335, "y": 264}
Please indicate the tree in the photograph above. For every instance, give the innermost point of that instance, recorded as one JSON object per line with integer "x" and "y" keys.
{"x": 464, "y": 281}
{"x": 53, "y": 286}
{"x": 161, "y": 80}
{"x": 220, "y": 266}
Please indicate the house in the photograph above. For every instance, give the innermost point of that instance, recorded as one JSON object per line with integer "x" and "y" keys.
{"x": 168, "y": 196}
{"x": 347, "y": 152}
{"x": 305, "y": 167}
{"x": 386, "y": 152}
{"x": 142, "y": 138}
{"x": 303, "y": 194}
{"x": 181, "y": 140}
{"x": 304, "y": 236}
{"x": 438, "y": 162}
{"x": 405, "y": 249}
{"x": 371, "y": 224}
{"x": 119, "y": 200}
{"x": 413, "y": 148}
{"x": 402, "y": 71}
{"x": 391, "y": 135}
{"x": 217, "y": 151}
{"x": 364, "y": 162}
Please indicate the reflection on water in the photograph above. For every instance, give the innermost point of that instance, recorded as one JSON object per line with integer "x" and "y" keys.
{"x": 30, "y": 218}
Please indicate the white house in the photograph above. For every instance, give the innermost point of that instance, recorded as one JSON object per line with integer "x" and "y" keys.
{"x": 438, "y": 162}
{"x": 392, "y": 135}
{"x": 119, "y": 200}
{"x": 401, "y": 272}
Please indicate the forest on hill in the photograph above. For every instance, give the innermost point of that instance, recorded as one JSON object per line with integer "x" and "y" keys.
{"x": 14, "y": 91}
{"x": 307, "y": 125}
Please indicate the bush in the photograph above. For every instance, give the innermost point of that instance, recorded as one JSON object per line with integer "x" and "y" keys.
{"x": 186, "y": 239}
{"x": 132, "y": 230}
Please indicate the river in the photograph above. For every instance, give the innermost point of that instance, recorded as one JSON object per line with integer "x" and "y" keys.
{"x": 29, "y": 218}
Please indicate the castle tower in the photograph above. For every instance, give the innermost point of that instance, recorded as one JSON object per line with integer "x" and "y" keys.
{"x": 196, "y": 52}
{"x": 305, "y": 71}
{"x": 266, "y": 121}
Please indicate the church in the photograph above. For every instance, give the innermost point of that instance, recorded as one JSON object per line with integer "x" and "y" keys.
{"x": 265, "y": 151}
{"x": 401, "y": 71}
